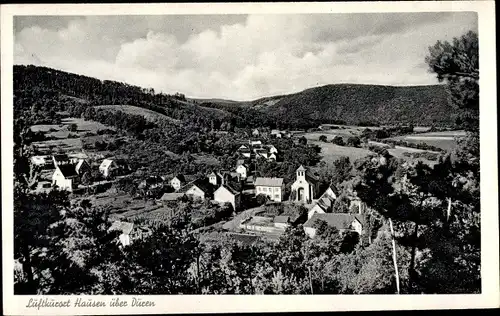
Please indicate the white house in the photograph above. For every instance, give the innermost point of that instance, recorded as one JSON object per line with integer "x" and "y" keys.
{"x": 305, "y": 186}
{"x": 227, "y": 194}
{"x": 82, "y": 166}
{"x": 323, "y": 204}
{"x": 65, "y": 177}
{"x": 198, "y": 189}
{"x": 272, "y": 149}
{"x": 272, "y": 156}
{"x": 215, "y": 178}
{"x": 242, "y": 170}
{"x": 107, "y": 167}
{"x": 177, "y": 182}
{"x": 255, "y": 132}
{"x": 272, "y": 187}
{"x": 125, "y": 228}
{"x": 341, "y": 221}
{"x": 255, "y": 143}
{"x": 40, "y": 161}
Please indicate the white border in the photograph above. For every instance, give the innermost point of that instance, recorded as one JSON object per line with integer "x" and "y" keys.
{"x": 490, "y": 297}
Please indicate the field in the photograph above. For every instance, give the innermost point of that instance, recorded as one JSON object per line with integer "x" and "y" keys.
{"x": 148, "y": 114}
{"x": 445, "y": 140}
{"x": 332, "y": 152}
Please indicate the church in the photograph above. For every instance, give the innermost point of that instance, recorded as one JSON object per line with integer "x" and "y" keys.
{"x": 306, "y": 186}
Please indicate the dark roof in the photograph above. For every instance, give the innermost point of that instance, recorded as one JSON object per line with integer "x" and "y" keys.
{"x": 281, "y": 219}
{"x": 68, "y": 171}
{"x": 337, "y": 220}
{"x": 232, "y": 190}
{"x": 61, "y": 157}
{"x": 180, "y": 177}
{"x": 201, "y": 183}
{"x": 269, "y": 182}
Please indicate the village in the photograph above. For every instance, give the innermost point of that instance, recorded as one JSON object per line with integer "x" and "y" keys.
{"x": 247, "y": 194}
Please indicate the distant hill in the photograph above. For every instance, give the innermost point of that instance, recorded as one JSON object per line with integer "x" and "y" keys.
{"x": 354, "y": 103}
{"x": 339, "y": 103}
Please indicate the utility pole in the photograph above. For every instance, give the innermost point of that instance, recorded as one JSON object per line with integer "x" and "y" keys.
{"x": 310, "y": 279}
{"x": 394, "y": 256}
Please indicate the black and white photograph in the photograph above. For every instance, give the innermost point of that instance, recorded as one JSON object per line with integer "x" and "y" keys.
{"x": 246, "y": 154}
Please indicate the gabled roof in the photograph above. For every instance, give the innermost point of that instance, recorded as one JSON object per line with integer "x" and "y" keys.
{"x": 229, "y": 188}
{"x": 80, "y": 163}
{"x": 180, "y": 177}
{"x": 301, "y": 168}
{"x": 68, "y": 171}
{"x": 106, "y": 163}
{"x": 124, "y": 227}
{"x": 201, "y": 183}
{"x": 337, "y": 220}
{"x": 269, "y": 182}
{"x": 60, "y": 157}
{"x": 281, "y": 219}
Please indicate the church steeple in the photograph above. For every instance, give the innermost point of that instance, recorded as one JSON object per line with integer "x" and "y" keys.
{"x": 301, "y": 172}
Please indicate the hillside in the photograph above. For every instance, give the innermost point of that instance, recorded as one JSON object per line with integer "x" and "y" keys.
{"x": 352, "y": 104}
{"x": 150, "y": 115}
{"x": 339, "y": 103}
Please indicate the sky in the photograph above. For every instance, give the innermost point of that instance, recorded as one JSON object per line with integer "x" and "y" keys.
{"x": 240, "y": 57}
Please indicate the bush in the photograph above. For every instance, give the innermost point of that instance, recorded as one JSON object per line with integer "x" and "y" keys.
{"x": 323, "y": 138}
{"x": 72, "y": 127}
{"x": 354, "y": 141}
{"x": 338, "y": 140}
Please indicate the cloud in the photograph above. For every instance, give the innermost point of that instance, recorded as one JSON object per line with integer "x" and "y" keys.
{"x": 242, "y": 57}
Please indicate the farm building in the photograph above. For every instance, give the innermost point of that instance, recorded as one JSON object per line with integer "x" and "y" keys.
{"x": 107, "y": 167}
{"x": 272, "y": 187}
{"x": 65, "y": 177}
{"x": 341, "y": 221}
{"x": 198, "y": 189}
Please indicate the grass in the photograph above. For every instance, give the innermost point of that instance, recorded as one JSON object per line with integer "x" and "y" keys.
{"x": 332, "y": 152}
{"x": 135, "y": 110}
{"x": 445, "y": 139}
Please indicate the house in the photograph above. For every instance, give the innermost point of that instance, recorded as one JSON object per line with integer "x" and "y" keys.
{"x": 305, "y": 186}
{"x": 272, "y": 149}
{"x": 65, "y": 177}
{"x": 272, "y": 157}
{"x": 177, "y": 182}
{"x": 324, "y": 204}
{"x": 126, "y": 229}
{"x": 255, "y": 132}
{"x": 107, "y": 167}
{"x": 243, "y": 147}
{"x": 255, "y": 143}
{"x": 82, "y": 167}
{"x": 247, "y": 153}
{"x": 341, "y": 221}
{"x": 227, "y": 194}
{"x": 60, "y": 159}
{"x": 152, "y": 182}
{"x": 261, "y": 153}
{"x": 41, "y": 161}
{"x": 215, "y": 178}
{"x": 198, "y": 189}
{"x": 281, "y": 221}
{"x": 272, "y": 187}
{"x": 276, "y": 133}
{"x": 242, "y": 169}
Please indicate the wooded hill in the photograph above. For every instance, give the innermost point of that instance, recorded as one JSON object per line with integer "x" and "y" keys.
{"x": 340, "y": 103}
{"x": 352, "y": 104}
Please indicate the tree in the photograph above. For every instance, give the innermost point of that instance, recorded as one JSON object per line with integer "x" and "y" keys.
{"x": 353, "y": 141}
{"x": 72, "y": 127}
{"x": 457, "y": 63}
{"x": 338, "y": 140}
{"x": 323, "y": 138}
{"x": 303, "y": 141}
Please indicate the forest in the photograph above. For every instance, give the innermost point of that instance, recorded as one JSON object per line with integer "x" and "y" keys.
{"x": 427, "y": 218}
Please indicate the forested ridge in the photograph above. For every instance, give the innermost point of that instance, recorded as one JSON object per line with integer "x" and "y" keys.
{"x": 338, "y": 103}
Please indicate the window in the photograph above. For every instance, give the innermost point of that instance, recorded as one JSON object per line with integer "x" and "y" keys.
{"x": 276, "y": 196}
